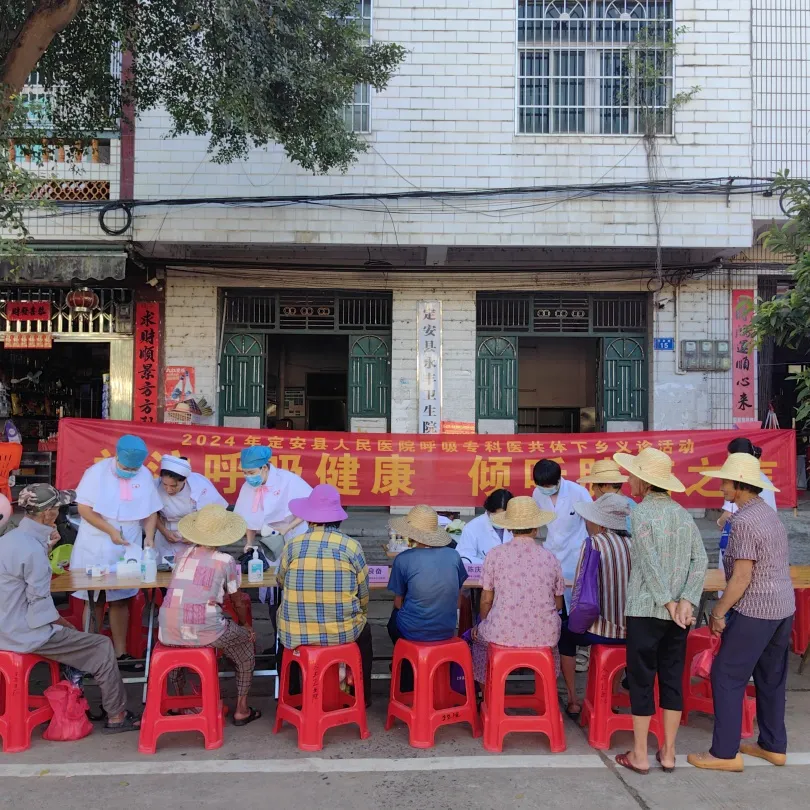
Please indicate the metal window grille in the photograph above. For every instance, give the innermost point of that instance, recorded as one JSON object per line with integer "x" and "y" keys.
{"x": 597, "y": 67}
{"x": 357, "y": 114}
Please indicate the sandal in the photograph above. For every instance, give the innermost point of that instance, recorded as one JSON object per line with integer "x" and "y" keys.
{"x": 664, "y": 768}
{"x": 624, "y": 761}
{"x": 131, "y": 722}
{"x": 124, "y": 663}
{"x": 96, "y": 717}
{"x": 574, "y": 715}
{"x": 255, "y": 714}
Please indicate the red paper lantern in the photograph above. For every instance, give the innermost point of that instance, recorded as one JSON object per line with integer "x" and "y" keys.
{"x": 82, "y": 301}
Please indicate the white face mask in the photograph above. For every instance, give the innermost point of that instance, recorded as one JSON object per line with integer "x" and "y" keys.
{"x": 550, "y": 490}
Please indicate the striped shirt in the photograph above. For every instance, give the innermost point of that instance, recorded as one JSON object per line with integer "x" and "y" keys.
{"x": 614, "y": 572}
{"x": 757, "y": 534}
{"x": 325, "y": 596}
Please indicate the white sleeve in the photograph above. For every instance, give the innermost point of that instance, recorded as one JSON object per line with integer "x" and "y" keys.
{"x": 769, "y": 498}
{"x": 467, "y": 547}
{"x": 87, "y": 491}
{"x": 244, "y": 508}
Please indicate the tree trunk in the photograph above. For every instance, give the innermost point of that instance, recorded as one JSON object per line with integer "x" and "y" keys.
{"x": 45, "y": 21}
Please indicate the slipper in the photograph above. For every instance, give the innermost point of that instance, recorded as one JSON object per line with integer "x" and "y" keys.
{"x": 574, "y": 715}
{"x": 131, "y": 722}
{"x": 664, "y": 768}
{"x": 255, "y": 714}
{"x": 624, "y": 761}
{"x": 124, "y": 663}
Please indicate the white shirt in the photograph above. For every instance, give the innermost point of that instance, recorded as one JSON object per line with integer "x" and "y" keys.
{"x": 567, "y": 533}
{"x": 478, "y": 537}
{"x": 767, "y": 495}
{"x": 273, "y": 502}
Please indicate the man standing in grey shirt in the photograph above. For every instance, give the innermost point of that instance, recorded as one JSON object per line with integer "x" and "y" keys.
{"x": 29, "y": 621}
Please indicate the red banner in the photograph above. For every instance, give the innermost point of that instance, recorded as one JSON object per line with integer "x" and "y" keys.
{"x": 147, "y": 362}
{"x": 385, "y": 469}
{"x": 28, "y": 310}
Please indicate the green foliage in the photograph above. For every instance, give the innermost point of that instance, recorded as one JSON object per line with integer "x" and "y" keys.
{"x": 786, "y": 318}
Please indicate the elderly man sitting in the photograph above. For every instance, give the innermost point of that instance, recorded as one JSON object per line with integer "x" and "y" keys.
{"x": 29, "y": 621}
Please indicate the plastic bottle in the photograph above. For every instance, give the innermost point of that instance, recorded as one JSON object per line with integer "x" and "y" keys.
{"x": 255, "y": 567}
{"x": 149, "y": 565}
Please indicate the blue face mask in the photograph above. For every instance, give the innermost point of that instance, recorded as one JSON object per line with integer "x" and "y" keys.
{"x": 254, "y": 480}
{"x": 125, "y": 474}
{"x": 550, "y": 490}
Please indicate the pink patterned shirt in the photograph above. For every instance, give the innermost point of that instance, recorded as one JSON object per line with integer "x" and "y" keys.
{"x": 191, "y": 614}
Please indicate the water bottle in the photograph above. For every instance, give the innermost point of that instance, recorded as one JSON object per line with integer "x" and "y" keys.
{"x": 255, "y": 567}
{"x": 149, "y": 565}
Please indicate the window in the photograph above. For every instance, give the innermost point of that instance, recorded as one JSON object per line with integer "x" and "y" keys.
{"x": 597, "y": 67}
{"x": 357, "y": 113}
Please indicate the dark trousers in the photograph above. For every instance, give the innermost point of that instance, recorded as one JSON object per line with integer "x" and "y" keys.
{"x": 406, "y": 670}
{"x": 366, "y": 659}
{"x": 757, "y": 647}
{"x": 570, "y": 641}
{"x": 655, "y": 647}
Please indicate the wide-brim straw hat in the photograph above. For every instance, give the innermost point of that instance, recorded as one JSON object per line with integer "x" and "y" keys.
{"x": 421, "y": 524}
{"x": 604, "y": 471}
{"x": 744, "y": 468}
{"x": 213, "y": 526}
{"x": 522, "y": 513}
{"x": 652, "y": 466}
{"x": 609, "y": 511}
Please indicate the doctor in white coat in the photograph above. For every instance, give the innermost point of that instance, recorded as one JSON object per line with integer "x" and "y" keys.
{"x": 479, "y": 535}
{"x": 264, "y": 500}
{"x": 567, "y": 533}
{"x": 182, "y": 492}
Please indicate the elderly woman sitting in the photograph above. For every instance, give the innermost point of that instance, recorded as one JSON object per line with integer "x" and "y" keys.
{"x": 523, "y": 587}
{"x": 606, "y": 520}
{"x": 191, "y": 615}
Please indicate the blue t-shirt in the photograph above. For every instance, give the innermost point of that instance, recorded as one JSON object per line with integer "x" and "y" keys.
{"x": 429, "y": 579}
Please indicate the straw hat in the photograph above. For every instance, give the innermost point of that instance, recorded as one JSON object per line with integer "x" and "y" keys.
{"x": 744, "y": 468}
{"x": 604, "y": 471}
{"x": 422, "y": 525}
{"x": 213, "y": 525}
{"x": 610, "y": 511}
{"x": 522, "y": 513}
{"x": 652, "y": 466}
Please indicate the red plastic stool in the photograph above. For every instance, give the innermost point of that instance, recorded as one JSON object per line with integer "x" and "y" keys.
{"x": 801, "y": 621}
{"x": 74, "y": 612}
{"x": 322, "y": 704}
{"x": 20, "y": 711}
{"x": 156, "y": 721}
{"x": 432, "y": 703}
{"x": 501, "y": 662}
{"x": 607, "y": 662}
{"x": 697, "y": 695}
{"x": 137, "y": 632}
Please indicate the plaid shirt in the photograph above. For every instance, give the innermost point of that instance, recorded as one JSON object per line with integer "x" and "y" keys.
{"x": 325, "y": 597}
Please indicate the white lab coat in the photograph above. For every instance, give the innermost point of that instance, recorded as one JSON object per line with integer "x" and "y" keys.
{"x": 103, "y": 491}
{"x": 272, "y": 505}
{"x": 196, "y": 493}
{"x": 567, "y": 533}
{"x": 478, "y": 538}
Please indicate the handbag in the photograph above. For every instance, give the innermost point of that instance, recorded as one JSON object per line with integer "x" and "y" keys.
{"x": 70, "y": 708}
{"x": 585, "y": 601}
{"x": 244, "y": 560}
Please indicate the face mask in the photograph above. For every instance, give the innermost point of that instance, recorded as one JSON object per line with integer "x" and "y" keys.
{"x": 254, "y": 480}
{"x": 550, "y": 490}
{"x": 125, "y": 474}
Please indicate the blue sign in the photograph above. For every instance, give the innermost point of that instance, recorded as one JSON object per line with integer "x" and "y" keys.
{"x": 664, "y": 344}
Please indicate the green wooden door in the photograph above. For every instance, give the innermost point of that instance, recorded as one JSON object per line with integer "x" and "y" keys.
{"x": 624, "y": 369}
{"x": 241, "y": 376}
{"x": 370, "y": 376}
{"x": 496, "y": 378}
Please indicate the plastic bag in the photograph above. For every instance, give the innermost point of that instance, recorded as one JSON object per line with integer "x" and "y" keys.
{"x": 70, "y": 708}
{"x": 702, "y": 662}
{"x": 585, "y": 598}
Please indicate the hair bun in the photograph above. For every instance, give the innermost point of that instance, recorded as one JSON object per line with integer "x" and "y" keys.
{"x": 757, "y": 451}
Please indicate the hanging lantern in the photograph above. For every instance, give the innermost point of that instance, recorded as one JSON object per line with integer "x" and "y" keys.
{"x": 82, "y": 301}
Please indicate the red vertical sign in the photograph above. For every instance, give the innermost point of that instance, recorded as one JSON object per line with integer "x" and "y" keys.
{"x": 147, "y": 359}
{"x": 743, "y": 359}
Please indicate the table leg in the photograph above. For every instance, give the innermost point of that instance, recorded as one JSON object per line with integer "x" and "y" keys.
{"x": 701, "y": 612}
{"x": 150, "y": 595}
{"x": 90, "y": 618}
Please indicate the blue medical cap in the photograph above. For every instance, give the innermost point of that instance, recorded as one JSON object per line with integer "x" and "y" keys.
{"x": 255, "y": 457}
{"x": 131, "y": 451}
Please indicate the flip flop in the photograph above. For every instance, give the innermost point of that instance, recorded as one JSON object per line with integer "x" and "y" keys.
{"x": 131, "y": 722}
{"x": 574, "y": 715}
{"x": 624, "y": 761}
{"x": 130, "y": 664}
{"x": 664, "y": 768}
{"x": 255, "y": 714}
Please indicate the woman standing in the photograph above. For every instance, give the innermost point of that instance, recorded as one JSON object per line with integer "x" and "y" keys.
{"x": 480, "y": 536}
{"x": 523, "y": 587}
{"x": 754, "y": 618}
{"x": 668, "y": 566}
{"x": 118, "y": 505}
{"x": 181, "y": 492}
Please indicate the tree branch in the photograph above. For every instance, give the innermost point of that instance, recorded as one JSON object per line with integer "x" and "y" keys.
{"x": 46, "y": 20}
